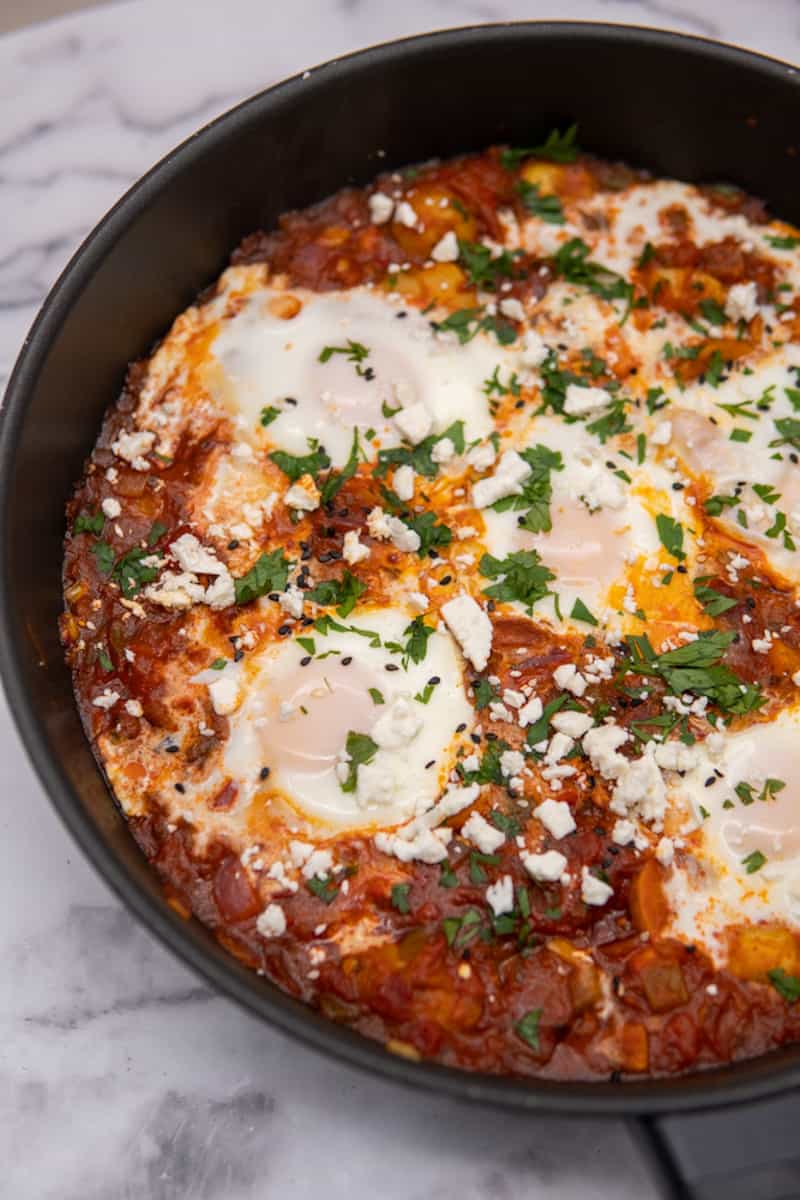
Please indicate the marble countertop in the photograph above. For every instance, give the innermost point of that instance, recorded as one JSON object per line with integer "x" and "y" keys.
{"x": 121, "y": 1077}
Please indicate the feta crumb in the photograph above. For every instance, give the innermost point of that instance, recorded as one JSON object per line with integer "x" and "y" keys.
{"x": 477, "y": 830}
{"x": 593, "y": 890}
{"x": 111, "y": 507}
{"x": 575, "y": 724}
{"x": 530, "y": 713}
{"x": 506, "y": 480}
{"x": 500, "y": 896}
{"x": 414, "y": 422}
{"x": 380, "y": 207}
{"x": 132, "y": 447}
{"x": 133, "y": 708}
{"x": 545, "y": 868}
{"x": 580, "y": 401}
{"x": 194, "y": 557}
{"x": 534, "y": 350}
{"x": 224, "y": 693}
{"x": 107, "y": 699}
{"x": 303, "y": 496}
{"x": 446, "y": 249}
{"x": 403, "y": 481}
{"x": 624, "y": 832}
{"x": 511, "y": 307}
{"x": 291, "y": 601}
{"x": 511, "y": 762}
{"x": 272, "y": 921}
{"x": 418, "y": 601}
{"x": 665, "y": 851}
{"x": 569, "y": 679}
{"x": 742, "y": 301}
{"x": 443, "y": 450}
{"x": 481, "y": 457}
{"x": 404, "y": 214}
{"x": 601, "y": 744}
{"x": 353, "y": 550}
{"x": 556, "y": 817}
{"x": 662, "y": 434}
{"x": 471, "y": 628}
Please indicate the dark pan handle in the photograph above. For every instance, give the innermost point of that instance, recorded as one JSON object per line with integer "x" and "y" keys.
{"x": 748, "y": 1152}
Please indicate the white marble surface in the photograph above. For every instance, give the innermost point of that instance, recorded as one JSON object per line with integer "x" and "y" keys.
{"x": 121, "y": 1077}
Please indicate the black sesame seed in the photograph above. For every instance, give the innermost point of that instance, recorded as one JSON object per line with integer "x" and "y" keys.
{"x": 233, "y": 545}
{"x": 401, "y": 315}
{"x": 180, "y": 788}
{"x": 678, "y": 487}
{"x": 284, "y": 629}
{"x": 172, "y": 749}
{"x": 712, "y": 779}
{"x": 263, "y": 773}
{"x": 460, "y": 728}
{"x": 392, "y": 667}
{"x": 491, "y": 737}
{"x": 428, "y": 765}
{"x": 238, "y": 656}
{"x": 348, "y": 658}
{"x": 520, "y": 404}
{"x": 434, "y": 679}
{"x": 681, "y": 569}
{"x": 305, "y": 660}
{"x": 443, "y": 582}
{"x": 290, "y": 400}
{"x": 306, "y": 621}
{"x": 750, "y": 602}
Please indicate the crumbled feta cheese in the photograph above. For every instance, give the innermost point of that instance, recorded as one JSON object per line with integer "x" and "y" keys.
{"x": 133, "y": 708}
{"x": 675, "y": 756}
{"x": 353, "y": 550}
{"x": 291, "y": 601}
{"x": 404, "y": 538}
{"x": 221, "y": 593}
{"x": 662, "y": 434}
{"x": 481, "y": 457}
{"x": 471, "y": 628}
{"x": 534, "y": 350}
{"x": 511, "y": 762}
{"x": 427, "y": 846}
{"x": 477, "y": 830}
{"x": 175, "y": 590}
{"x": 569, "y": 679}
{"x": 397, "y": 727}
{"x": 418, "y": 601}
{"x": 111, "y": 507}
{"x": 192, "y": 556}
{"x": 580, "y": 401}
{"x": 545, "y": 868}
{"x": 446, "y": 249}
{"x": 601, "y": 744}
{"x": 665, "y": 851}
{"x": 380, "y": 207}
{"x": 319, "y": 862}
{"x": 511, "y": 307}
{"x": 107, "y": 699}
{"x": 403, "y": 481}
{"x": 506, "y": 480}
{"x": 443, "y": 450}
{"x": 559, "y": 747}
{"x": 556, "y": 817}
{"x": 500, "y": 895}
{"x": 414, "y": 422}
{"x": 378, "y": 524}
{"x": 742, "y": 301}
{"x": 530, "y": 713}
{"x": 303, "y": 496}
{"x": 224, "y": 693}
{"x": 593, "y": 890}
{"x": 132, "y": 447}
{"x": 624, "y": 832}
{"x": 272, "y": 921}
{"x": 575, "y": 724}
{"x": 404, "y": 214}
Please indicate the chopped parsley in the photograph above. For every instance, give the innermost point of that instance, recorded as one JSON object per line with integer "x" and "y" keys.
{"x": 354, "y": 352}
{"x": 104, "y": 660}
{"x": 465, "y": 323}
{"x": 783, "y": 243}
{"x": 748, "y": 794}
{"x": 573, "y": 264}
{"x": 130, "y": 571}
{"x": 431, "y": 534}
{"x": 546, "y": 208}
{"x": 753, "y": 862}
{"x": 294, "y": 466}
{"x": 485, "y": 693}
{"x": 786, "y": 985}
{"x": 460, "y": 931}
{"x": 344, "y": 593}
{"x": 268, "y": 574}
{"x": 269, "y": 413}
{"x": 419, "y": 456}
{"x": 713, "y": 312}
{"x": 557, "y": 147}
{"x": 324, "y": 888}
{"x": 376, "y": 695}
{"x": 521, "y": 576}
{"x": 528, "y": 1028}
{"x": 400, "y": 897}
{"x": 714, "y": 603}
{"x": 536, "y": 494}
{"x": 581, "y": 613}
{"x": 219, "y": 664}
{"x": 483, "y": 267}
{"x": 670, "y": 534}
{"x": 336, "y": 480}
{"x": 696, "y": 667}
{"x": 360, "y": 749}
{"x": 415, "y": 646}
{"x": 89, "y": 523}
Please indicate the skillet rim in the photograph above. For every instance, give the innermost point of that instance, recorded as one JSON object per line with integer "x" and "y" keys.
{"x": 738, "y": 1082}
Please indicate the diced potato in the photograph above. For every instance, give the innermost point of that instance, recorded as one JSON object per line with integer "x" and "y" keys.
{"x": 662, "y": 980}
{"x": 584, "y": 980}
{"x": 757, "y": 949}
{"x": 544, "y": 175}
{"x": 633, "y": 1049}
{"x": 438, "y": 212}
{"x": 442, "y": 283}
{"x": 649, "y": 907}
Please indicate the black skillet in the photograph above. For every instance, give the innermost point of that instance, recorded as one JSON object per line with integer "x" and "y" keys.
{"x": 677, "y": 105}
